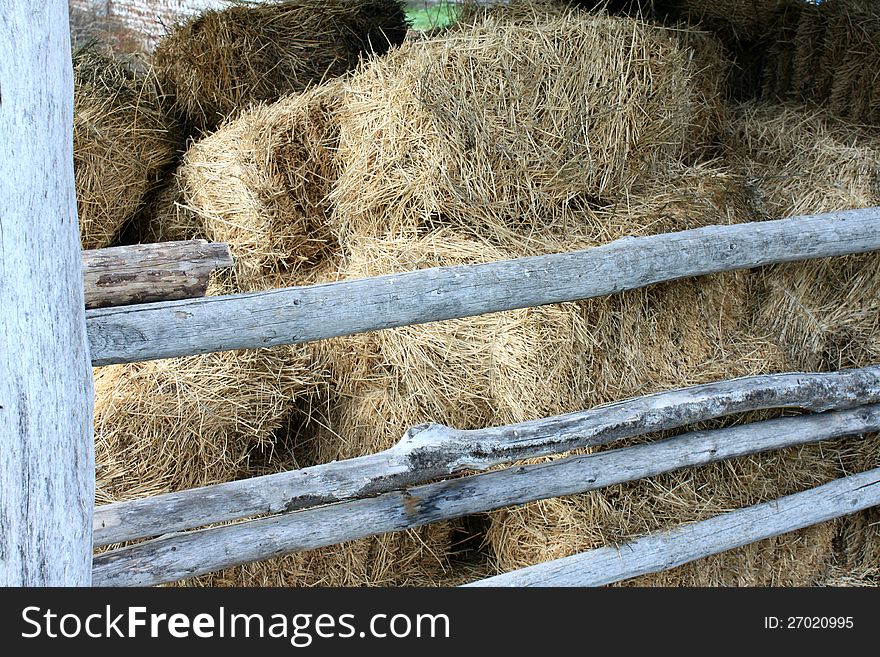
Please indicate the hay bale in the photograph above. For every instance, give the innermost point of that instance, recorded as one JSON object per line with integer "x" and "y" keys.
{"x": 809, "y": 44}
{"x": 179, "y": 423}
{"x": 500, "y": 120}
{"x": 122, "y": 143}
{"x": 855, "y": 90}
{"x": 801, "y": 161}
{"x": 668, "y": 336}
{"x": 779, "y": 71}
{"x": 735, "y": 21}
{"x": 837, "y": 55}
{"x": 221, "y": 62}
{"x": 467, "y": 373}
{"x": 165, "y": 216}
{"x": 260, "y": 183}
{"x": 823, "y": 313}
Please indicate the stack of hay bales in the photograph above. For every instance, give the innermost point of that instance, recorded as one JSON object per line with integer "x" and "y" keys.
{"x": 663, "y": 337}
{"x": 500, "y": 121}
{"x": 261, "y": 182}
{"x": 461, "y": 129}
{"x": 220, "y": 62}
{"x": 837, "y": 56}
{"x": 122, "y": 143}
{"x": 825, "y": 314}
{"x": 517, "y": 132}
{"x": 177, "y": 423}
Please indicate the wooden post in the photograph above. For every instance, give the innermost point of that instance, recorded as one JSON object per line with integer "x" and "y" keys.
{"x": 46, "y": 436}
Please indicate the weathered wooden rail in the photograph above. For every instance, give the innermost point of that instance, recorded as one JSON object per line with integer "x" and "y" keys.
{"x": 665, "y": 550}
{"x": 141, "y": 273}
{"x": 178, "y": 556}
{"x": 303, "y": 314}
{"x": 430, "y": 452}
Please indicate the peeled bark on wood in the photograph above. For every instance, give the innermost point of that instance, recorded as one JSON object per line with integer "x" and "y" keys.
{"x": 665, "y": 550}
{"x": 47, "y": 472}
{"x": 304, "y": 314}
{"x": 179, "y": 556}
{"x": 434, "y": 451}
{"x": 143, "y": 273}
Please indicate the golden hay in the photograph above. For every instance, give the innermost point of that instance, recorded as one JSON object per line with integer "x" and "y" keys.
{"x": 735, "y": 20}
{"x": 165, "y": 216}
{"x": 467, "y": 373}
{"x": 174, "y": 424}
{"x": 122, "y": 143}
{"x": 780, "y": 67}
{"x": 260, "y": 184}
{"x": 834, "y": 53}
{"x": 663, "y": 337}
{"x": 219, "y": 63}
{"x": 501, "y": 120}
{"x": 855, "y": 90}
{"x": 824, "y": 313}
{"x": 800, "y": 161}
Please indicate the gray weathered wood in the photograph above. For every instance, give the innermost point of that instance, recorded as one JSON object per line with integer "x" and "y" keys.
{"x": 434, "y": 451}
{"x": 177, "y": 556}
{"x": 142, "y": 273}
{"x": 46, "y": 438}
{"x": 303, "y": 314}
{"x": 665, "y": 550}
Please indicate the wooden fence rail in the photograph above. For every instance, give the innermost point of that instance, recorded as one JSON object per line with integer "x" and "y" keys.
{"x": 142, "y": 273}
{"x": 668, "y": 549}
{"x": 430, "y": 452}
{"x": 178, "y": 556}
{"x": 303, "y": 314}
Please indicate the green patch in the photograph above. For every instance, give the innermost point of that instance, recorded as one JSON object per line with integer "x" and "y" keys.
{"x": 426, "y": 16}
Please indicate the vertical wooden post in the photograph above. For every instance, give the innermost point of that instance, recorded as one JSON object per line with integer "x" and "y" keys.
{"x": 46, "y": 432}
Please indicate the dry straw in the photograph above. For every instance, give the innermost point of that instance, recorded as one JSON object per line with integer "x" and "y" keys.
{"x": 467, "y": 373}
{"x": 179, "y": 423}
{"x": 736, "y": 21}
{"x": 260, "y": 183}
{"x": 219, "y": 63}
{"x": 501, "y": 120}
{"x": 667, "y": 336}
{"x": 122, "y": 143}
{"x": 825, "y": 313}
{"x": 165, "y": 216}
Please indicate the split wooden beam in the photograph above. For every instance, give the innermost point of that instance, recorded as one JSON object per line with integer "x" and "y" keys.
{"x": 304, "y": 314}
{"x": 430, "y": 452}
{"x": 668, "y": 549}
{"x": 178, "y": 556}
{"x": 144, "y": 273}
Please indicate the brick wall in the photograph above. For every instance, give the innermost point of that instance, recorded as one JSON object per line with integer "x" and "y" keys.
{"x": 132, "y": 24}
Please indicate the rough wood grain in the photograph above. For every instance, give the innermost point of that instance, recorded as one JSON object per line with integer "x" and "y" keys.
{"x": 143, "y": 273}
{"x": 46, "y": 446}
{"x": 430, "y": 452}
{"x": 665, "y": 550}
{"x": 303, "y": 314}
{"x": 178, "y": 556}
